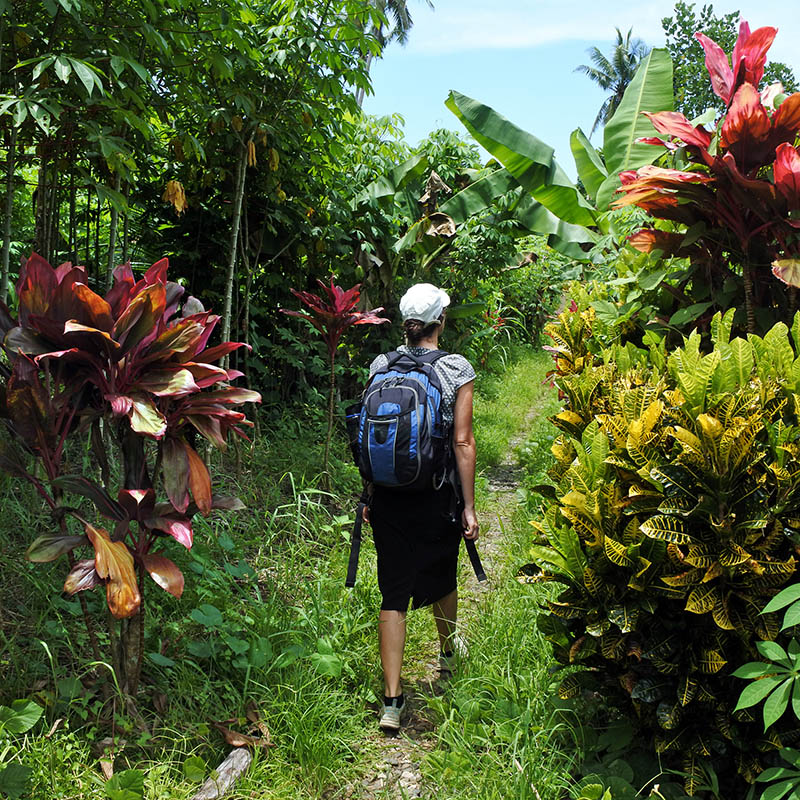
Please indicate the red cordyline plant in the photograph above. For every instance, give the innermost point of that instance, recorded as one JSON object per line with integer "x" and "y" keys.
{"x": 738, "y": 193}
{"x": 133, "y": 371}
{"x": 332, "y": 317}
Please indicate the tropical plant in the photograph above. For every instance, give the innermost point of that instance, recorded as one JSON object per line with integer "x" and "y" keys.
{"x": 693, "y": 95}
{"x": 614, "y": 72}
{"x": 670, "y": 525}
{"x": 134, "y": 377}
{"x": 18, "y": 718}
{"x": 731, "y": 201}
{"x": 331, "y": 317}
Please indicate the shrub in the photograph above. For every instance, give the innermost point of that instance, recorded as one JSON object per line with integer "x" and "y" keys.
{"x": 673, "y": 519}
{"x": 133, "y": 378}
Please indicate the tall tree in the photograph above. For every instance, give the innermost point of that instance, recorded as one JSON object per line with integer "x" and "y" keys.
{"x": 693, "y": 93}
{"x": 614, "y": 72}
{"x": 394, "y": 23}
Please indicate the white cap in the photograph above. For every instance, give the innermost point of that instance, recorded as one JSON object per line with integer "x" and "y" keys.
{"x": 424, "y": 301}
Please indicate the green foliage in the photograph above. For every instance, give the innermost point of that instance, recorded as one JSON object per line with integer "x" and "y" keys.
{"x": 693, "y": 95}
{"x": 677, "y": 489}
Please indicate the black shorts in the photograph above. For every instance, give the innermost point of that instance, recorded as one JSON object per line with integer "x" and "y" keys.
{"x": 417, "y": 542}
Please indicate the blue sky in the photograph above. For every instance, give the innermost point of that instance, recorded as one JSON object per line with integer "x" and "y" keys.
{"x": 519, "y": 57}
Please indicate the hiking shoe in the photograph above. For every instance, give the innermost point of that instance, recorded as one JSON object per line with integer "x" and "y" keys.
{"x": 450, "y": 661}
{"x": 390, "y": 719}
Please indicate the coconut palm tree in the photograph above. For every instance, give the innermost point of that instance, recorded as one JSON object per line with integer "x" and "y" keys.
{"x": 397, "y": 13}
{"x": 614, "y": 72}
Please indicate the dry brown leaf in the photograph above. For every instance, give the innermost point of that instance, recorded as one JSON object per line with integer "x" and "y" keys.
{"x": 107, "y": 768}
{"x": 54, "y": 727}
{"x": 114, "y": 562}
{"x": 236, "y": 739}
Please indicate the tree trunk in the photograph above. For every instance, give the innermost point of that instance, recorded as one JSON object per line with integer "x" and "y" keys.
{"x": 40, "y": 215}
{"x": 8, "y": 209}
{"x": 97, "y": 237}
{"x": 73, "y": 222}
{"x": 112, "y": 234}
{"x": 238, "y": 194}
{"x": 88, "y": 226}
{"x": 326, "y": 478}
{"x": 360, "y": 93}
{"x": 126, "y": 238}
{"x": 747, "y": 279}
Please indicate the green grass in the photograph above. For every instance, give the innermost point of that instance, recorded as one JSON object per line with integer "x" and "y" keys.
{"x": 287, "y": 639}
{"x": 499, "y": 736}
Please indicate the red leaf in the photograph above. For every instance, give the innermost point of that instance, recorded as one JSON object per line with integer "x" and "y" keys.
{"x": 786, "y": 122}
{"x": 176, "y": 382}
{"x": 199, "y": 481}
{"x": 787, "y": 173}
{"x": 81, "y": 577}
{"x": 157, "y": 273}
{"x": 175, "y": 467}
{"x": 138, "y": 322}
{"x": 672, "y": 123}
{"x": 114, "y": 562}
{"x": 746, "y": 130}
{"x": 718, "y": 68}
{"x": 210, "y": 428}
{"x": 96, "y": 311}
{"x": 215, "y": 353}
{"x": 120, "y": 404}
{"x": 146, "y": 418}
{"x": 179, "y": 528}
{"x": 138, "y": 503}
{"x": 752, "y": 49}
{"x": 164, "y": 573}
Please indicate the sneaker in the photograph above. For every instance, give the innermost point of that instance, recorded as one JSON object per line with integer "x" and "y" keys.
{"x": 449, "y": 662}
{"x": 390, "y": 719}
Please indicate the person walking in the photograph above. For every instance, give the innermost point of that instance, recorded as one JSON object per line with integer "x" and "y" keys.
{"x": 418, "y": 534}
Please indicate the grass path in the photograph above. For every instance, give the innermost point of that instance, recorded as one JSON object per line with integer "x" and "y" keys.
{"x": 414, "y": 764}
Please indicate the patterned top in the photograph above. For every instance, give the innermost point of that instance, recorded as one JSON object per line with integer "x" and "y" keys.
{"x": 452, "y": 370}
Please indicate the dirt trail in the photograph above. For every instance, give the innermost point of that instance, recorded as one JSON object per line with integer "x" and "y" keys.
{"x": 396, "y": 773}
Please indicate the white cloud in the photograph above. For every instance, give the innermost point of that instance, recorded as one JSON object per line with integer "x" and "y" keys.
{"x": 468, "y": 25}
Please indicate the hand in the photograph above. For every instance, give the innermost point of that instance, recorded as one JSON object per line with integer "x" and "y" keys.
{"x": 470, "y": 523}
{"x": 365, "y": 514}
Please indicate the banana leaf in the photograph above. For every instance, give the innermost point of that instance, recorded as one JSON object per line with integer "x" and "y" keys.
{"x": 650, "y": 90}
{"x": 527, "y": 158}
{"x": 383, "y": 189}
{"x": 591, "y": 169}
{"x": 528, "y": 214}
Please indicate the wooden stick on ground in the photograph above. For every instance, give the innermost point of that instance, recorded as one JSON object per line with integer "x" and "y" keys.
{"x": 228, "y": 772}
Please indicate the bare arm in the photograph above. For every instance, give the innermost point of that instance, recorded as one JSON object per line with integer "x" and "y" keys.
{"x": 465, "y": 453}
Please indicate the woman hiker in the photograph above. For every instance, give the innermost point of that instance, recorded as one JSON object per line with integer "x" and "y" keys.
{"x": 417, "y": 535}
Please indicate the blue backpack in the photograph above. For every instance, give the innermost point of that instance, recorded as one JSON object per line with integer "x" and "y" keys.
{"x": 397, "y": 434}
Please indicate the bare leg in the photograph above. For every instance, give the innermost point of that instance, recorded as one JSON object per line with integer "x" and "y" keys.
{"x": 392, "y": 635}
{"x": 444, "y": 612}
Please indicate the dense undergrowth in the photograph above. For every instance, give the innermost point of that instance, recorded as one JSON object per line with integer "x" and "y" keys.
{"x": 265, "y": 632}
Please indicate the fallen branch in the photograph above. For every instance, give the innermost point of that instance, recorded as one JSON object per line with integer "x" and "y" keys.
{"x": 228, "y": 772}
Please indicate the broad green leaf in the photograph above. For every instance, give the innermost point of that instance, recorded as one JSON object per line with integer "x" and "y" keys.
{"x": 327, "y": 664}
{"x": 86, "y": 75}
{"x": 48, "y": 548}
{"x": 774, "y": 652}
{"x": 62, "y": 68}
{"x": 650, "y": 90}
{"x": 783, "y": 598}
{"x": 777, "y": 703}
{"x": 20, "y": 717}
{"x": 161, "y": 660}
{"x": 207, "y": 615}
{"x": 194, "y": 769}
{"x": 14, "y": 780}
{"x": 478, "y": 196}
{"x": 389, "y": 185}
{"x": 591, "y": 169}
{"x": 126, "y": 785}
{"x": 527, "y": 158}
{"x": 754, "y": 669}
{"x": 692, "y": 312}
{"x": 756, "y": 691}
{"x": 791, "y": 617}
